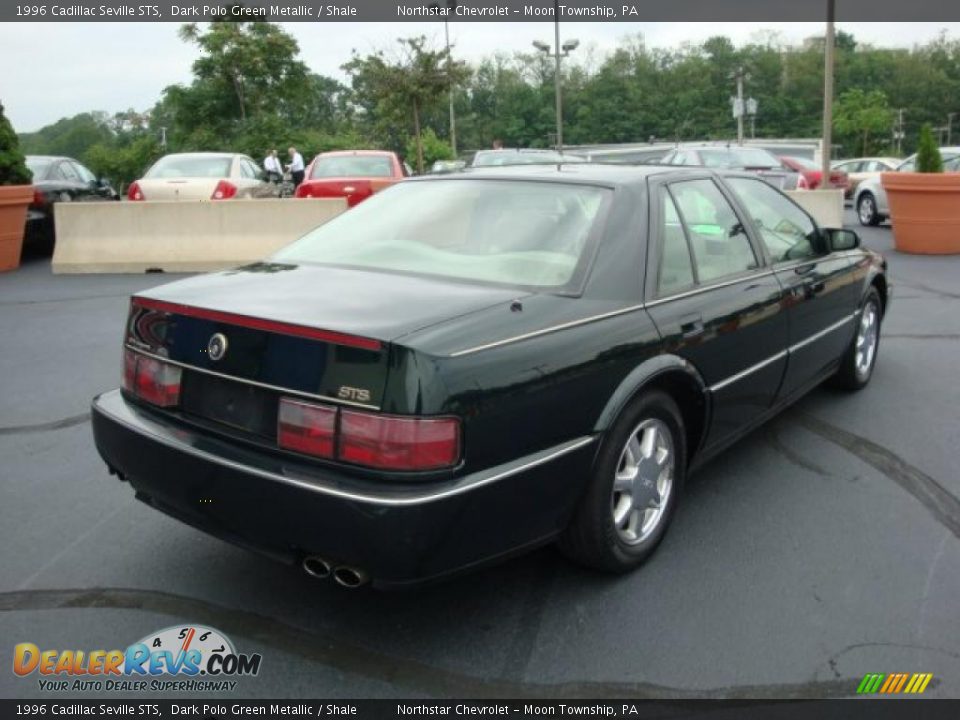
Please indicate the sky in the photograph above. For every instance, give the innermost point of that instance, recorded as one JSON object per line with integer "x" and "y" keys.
{"x": 69, "y": 68}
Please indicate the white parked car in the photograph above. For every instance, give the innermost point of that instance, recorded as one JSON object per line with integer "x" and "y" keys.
{"x": 201, "y": 176}
{"x": 870, "y": 199}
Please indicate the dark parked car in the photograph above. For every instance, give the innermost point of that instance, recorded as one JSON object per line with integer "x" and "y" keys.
{"x": 737, "y": 157}
{"x": 59, "y": 179}
{"x": 536, "y": 354}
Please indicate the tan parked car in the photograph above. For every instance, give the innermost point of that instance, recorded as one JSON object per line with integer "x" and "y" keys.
{"x": 201, "y": 176}
{"x": 860, "y": 169}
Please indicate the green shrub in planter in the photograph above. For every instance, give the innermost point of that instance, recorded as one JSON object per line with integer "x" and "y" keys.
{"x": 13, "y": 169}
{"x": 928, "y": 154}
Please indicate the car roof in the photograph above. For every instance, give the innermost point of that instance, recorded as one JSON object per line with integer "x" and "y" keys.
{"x": 342, "y": 153}
{"x": 203, "y": 154}
{"x": 612, "y": 175}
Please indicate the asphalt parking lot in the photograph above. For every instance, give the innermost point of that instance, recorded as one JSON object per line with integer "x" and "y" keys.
{"x": 822, "y": 547}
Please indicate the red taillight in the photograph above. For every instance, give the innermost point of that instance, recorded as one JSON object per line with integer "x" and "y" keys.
{"x": 39, "y": 198}
{"x": 395, "y": 443}
{"x": 306, "y": 428}
{"x": 153, "y": 380}
{"x": 802, "y": 183}
{"x": 224, "y": 191}
{"x": 134, "y": 192}
{"x": 376, "y": 441}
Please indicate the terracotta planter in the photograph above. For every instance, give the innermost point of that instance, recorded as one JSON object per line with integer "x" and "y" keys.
{"x": 14, "y": 200}
{"x": 925, "y": 211}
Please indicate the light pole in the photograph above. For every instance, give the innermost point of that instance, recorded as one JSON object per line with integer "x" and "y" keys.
{"x": 950, "y": 117}
{"x": 828, "y": 96}
{"x": 738, "y": 104}
{"x": 453, "y": 120}
{"x": 567, "y": 47}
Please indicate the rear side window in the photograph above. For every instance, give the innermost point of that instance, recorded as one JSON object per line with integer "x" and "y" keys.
{"x": 717, "y": 237}
{"x": 676, "y": 268}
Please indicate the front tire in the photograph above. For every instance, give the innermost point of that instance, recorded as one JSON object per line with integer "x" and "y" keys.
{"x": 867, "y": 210}
{"x": 634, "y": 490}
{"x": 856, "y": 367}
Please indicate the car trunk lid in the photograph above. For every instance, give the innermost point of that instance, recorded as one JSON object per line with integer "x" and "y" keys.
{"x": 246, "y": 336}
{"x": 177, "y": 188}
{"x": 355, "y": 190}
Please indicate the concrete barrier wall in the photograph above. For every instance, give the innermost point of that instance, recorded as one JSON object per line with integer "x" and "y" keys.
{"x": 133, "y": 237}
{"x": 826, "y": 206}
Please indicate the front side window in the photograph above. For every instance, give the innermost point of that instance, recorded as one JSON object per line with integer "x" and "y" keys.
{"x": 787, "y": 232}
{"x": 717, "y": 238}
{"x": 83, "y": 173}
{"x": 518, "y": 233}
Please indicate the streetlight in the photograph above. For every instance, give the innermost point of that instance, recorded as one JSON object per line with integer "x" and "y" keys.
{"x": 451, "y": 6}
{"x": 738, "y": 102}
{"x": 567, "y": 47}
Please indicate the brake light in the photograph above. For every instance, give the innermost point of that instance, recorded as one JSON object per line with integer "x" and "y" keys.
{"x": 802, "y": 183}
{"x": 39, "y": 198}
{"x": 395, "y": 443}
{"x": 377, "y": 441}
{"x": 153, "y": 380}
{"x": 224, "y": 191}
{"x": 306, "y": 428}
{"x": 134, "y": 192}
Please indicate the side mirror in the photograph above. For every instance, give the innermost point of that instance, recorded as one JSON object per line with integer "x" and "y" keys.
{"x": 839, "y": 240}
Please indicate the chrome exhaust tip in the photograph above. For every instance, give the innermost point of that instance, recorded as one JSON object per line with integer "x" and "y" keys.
{"x": 349, "y": 577}
{"x": 317, "y": 567}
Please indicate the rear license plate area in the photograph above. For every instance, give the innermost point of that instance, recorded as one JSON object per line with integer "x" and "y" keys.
{"x": 235, "y": 404}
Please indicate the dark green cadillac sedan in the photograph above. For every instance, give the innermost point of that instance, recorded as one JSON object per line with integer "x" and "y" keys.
{"x": 467, "y": 366}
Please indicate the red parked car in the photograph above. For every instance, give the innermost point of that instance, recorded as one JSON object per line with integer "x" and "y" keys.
{"x": 351, "y": 174}
{"x": 813, "y": 173}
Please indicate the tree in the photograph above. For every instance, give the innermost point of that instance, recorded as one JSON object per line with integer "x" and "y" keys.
{"x": 929, "y": 159}
{"x": 414, "y": 81}
{"x": 256, "y": 63}
{"x": 860, "y": 113}
{"x": 433, "y": 148}
{"x": 13, "y": 170}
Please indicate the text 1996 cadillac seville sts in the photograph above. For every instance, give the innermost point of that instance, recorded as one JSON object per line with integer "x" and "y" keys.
{"x": 466, "y": 366}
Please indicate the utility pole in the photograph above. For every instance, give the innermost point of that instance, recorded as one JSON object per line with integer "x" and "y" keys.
{"x": 899, "y": 133}
{"x": 950, "y": 117}
{"x": 556, "y": 75}
{"x": 828, "y": 48}
{"x": 738, "y": 106}
{"x": 453, "y": 120}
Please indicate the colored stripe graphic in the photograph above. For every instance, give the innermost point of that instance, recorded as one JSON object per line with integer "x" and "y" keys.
{"x": 895, "y": 683}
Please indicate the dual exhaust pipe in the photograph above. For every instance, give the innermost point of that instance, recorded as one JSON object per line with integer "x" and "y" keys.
{"x": 343, "y": 575}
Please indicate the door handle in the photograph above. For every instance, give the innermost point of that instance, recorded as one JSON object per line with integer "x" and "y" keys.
{"x": 813, "y": 286}
{"x": 691, "y": 326}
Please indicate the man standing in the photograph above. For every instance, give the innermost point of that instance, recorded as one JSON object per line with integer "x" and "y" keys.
{"x": 295, "y": 167}
{"x": 273, "y": 168}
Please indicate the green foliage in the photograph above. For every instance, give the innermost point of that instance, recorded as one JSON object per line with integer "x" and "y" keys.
{"x": 13, "y": 170}
{"x": 928, "y": 154}
{"x": 250, "y": 92}
{"x": 862, "y": 114}
{"x": 415, "y": 81}
{"x": 433, "y": 148}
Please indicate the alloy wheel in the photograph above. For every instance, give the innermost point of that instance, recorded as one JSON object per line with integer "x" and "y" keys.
{"x": 867, "y": 335}
{"x": 643, "y": 483}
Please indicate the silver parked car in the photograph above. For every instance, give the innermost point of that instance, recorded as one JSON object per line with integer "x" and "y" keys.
{"x": 860, "y": 169}
{"x": 736, "y": 157}
{"x": 870, "y": 199}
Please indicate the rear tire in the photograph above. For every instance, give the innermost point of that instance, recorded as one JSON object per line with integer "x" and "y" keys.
{"x": 856, "y": 367}
{"x": 634, "y": 490}
{"x": 867, "y": 210}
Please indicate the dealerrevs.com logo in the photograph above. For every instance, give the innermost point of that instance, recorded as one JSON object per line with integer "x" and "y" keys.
{"x": 180, "y": 658}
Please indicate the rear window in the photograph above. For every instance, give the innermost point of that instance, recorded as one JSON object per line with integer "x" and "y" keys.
{"x": 38, "y": 166}
{"x": 377, "y": 166}
{"x": 189, "y": 166}
{"x": 493, "y": 231}
{"x": 738, "y": 158}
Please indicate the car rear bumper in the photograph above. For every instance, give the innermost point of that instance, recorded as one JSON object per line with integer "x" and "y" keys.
{"x": 397, "y": 534}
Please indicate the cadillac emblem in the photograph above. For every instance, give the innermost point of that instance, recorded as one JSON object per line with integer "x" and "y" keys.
{"x": 217, "y": 347}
